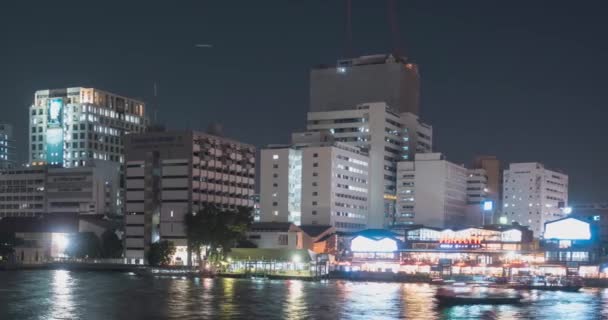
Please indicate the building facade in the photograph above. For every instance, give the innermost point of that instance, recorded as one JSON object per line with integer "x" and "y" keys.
{"x": 43, "y": 190}
{"x": 419, "y": 135}
{"x": 169, "y": 174}
{"x": 493, "y": 172}
{"x": 431, "y": 191}
{"x": 7, "y": 146}
{"x": 71, "y": 126}
{"x": 534, "y": 195}
{"x": 377, "y": 131}
{"x": 387, "y": 78}
{"x": 479, "y": 210}
{"x": 315, "y": 182}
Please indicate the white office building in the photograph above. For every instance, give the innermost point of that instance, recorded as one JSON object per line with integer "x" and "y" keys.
{"x": 380, "y": 132}
{"x": 533, "y": 195}
{"x": 431, "y": 191}
{"x": 71, "y": 126}
{"x": 315, "y": 181}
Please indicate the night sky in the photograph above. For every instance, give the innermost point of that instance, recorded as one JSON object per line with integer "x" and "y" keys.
{"x": 523, "y": 82}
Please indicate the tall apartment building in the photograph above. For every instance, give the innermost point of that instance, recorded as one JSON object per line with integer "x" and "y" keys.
{"x": 43, "y": 190}
{"x": 380, "y": 132}
{"x": 169, "y": 174}
{"x": 315, "y": 181}
{"x": 382, "y": 77}
{"x": 431, "y": 191}
{"x": 71, "y": 126}
{"x": 533, "y": 195}
{"x": 7, "y": 146}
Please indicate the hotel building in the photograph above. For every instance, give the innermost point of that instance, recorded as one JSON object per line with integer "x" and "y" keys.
{"x": 169, "y": 174}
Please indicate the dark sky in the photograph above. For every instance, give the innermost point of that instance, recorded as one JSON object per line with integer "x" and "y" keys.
{"x": 523, "y": 81}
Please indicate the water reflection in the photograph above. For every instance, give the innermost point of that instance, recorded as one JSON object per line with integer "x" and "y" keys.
{"x": 93, "y": 295}
{"x": 62, "y": 305}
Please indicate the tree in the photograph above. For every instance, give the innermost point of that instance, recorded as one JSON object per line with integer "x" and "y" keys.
{"x": 216, "y": 230}
{"x": 111, "y": 245}
{"x": 160, "y": 253}
{"x": 83, "y": 245}
{"x": 8, "y": 241}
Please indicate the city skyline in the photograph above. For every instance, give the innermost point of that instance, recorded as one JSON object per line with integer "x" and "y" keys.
{"x": 490, "y": 78}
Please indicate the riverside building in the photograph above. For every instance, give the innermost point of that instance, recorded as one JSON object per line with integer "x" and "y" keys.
{"x": 172, "y": 173}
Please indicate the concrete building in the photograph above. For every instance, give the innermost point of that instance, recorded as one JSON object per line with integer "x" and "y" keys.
{"x": 285, "y": 235}
{"x": 493, "y": 172}
{"x": 377, "y": 130}
{"x": 381, "y": 77}
{"x": 281, "y": 184}
{"x": 71, "y": 126}
{"x": 479, "y": 212}
{"x": 315, "y": 181}
{"x": 7, "y": 146}
{"x": 431, "y": 191}
{"x": 22, "y": 192}
{"x": 534, "y": 195}
{"x": 419, "y": 135}
{"x": 169, "y": 174}
{"x": 42, "y": 190}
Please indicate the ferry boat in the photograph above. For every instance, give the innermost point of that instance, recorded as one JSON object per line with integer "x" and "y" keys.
{"x": 471, "y": 295}
{"x": 548, "y": 283}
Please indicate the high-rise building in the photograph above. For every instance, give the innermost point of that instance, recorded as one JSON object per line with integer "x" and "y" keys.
{"x": 374, "y": 78}
{"x": 431, "y": 191}
{"x": 71, "y": 126}
{"x": 315, "y": 181}
{"x": 169, "y": 174}
{"x": 493, "y": 172}
{"x": 376, "y": 129}
{"x": 533, "y": 195}
{"x": 42, "y": 190}
{"x": 7, "y": 146}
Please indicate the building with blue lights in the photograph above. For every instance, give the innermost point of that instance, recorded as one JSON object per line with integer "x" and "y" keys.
{"x": 7, "y": 146}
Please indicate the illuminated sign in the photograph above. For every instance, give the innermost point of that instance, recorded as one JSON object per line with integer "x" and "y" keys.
{"x": 488, "y": 206}
{"x": 55, "y": 112}
{"x": 54, "y": 132}
{"x": 363, "y": 244}
{"x": 459, "y": 246}
{"x": 567, "y": 229}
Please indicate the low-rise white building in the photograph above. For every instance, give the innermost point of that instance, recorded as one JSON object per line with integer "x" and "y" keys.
{"x": 534, "y": 195}
{"x": 431, "y": 191}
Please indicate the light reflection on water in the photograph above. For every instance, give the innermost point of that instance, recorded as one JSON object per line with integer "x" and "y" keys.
{"x": 98, "y": 295}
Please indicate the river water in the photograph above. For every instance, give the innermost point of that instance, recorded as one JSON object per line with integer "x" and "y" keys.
{"x": 60, "y": 294}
